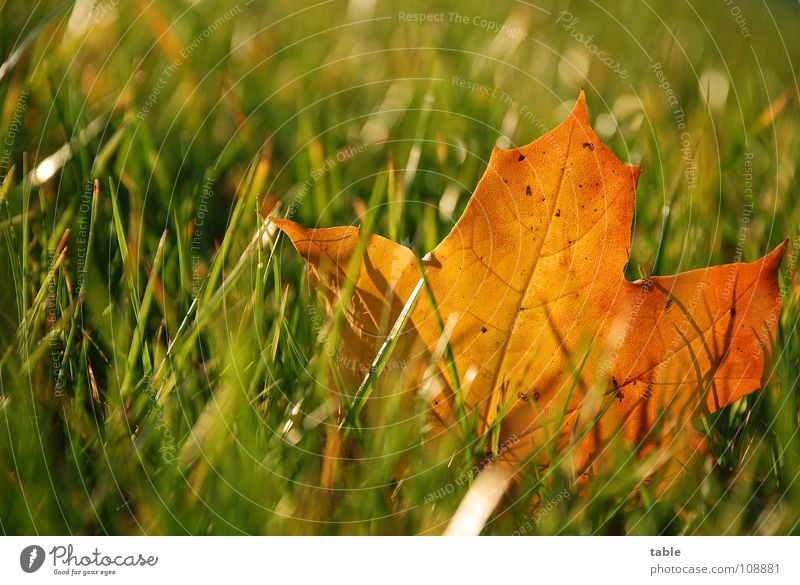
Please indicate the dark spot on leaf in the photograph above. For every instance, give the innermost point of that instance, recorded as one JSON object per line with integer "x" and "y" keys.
{"x": 558, "y": 213}
{"x": 733, "y": 311}
{"x": 484, "y": 329}
{"x": 521, "y": 157}
{"x": 668, "y": 304}
{"x": 588, "y": 145}
{"x": 535, "y": 395}
{"x": 617, "y": 393}
{"x": 522, "y": 396}
{"x": 528, "y": 191}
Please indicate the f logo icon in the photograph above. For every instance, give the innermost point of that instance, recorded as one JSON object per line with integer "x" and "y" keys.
{"x": 31, "y": 558}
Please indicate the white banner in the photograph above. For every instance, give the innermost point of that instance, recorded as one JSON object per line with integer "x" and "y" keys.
{"x": 400, "y": 560}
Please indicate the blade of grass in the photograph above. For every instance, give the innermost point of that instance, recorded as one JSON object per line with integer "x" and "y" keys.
{"x": 147, "y": 300}
{"x": 365, "y": 389}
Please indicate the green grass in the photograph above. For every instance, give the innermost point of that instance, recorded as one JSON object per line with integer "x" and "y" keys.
{"x": 160, "y": 352}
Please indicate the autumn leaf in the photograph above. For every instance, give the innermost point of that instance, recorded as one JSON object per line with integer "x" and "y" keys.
{"x": 548, "y": 338}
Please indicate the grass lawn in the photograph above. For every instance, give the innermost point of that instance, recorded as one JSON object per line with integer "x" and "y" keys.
{"x": 164, "y": 359}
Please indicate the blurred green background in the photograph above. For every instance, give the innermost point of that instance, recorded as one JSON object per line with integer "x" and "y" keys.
{"x": 160, "y": 364}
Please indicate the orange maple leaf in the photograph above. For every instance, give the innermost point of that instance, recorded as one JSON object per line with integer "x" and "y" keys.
{"x": 547, "y": 335}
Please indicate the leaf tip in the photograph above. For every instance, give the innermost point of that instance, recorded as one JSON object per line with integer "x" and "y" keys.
{"x": 579, "y": 110}
{"x": 777, "y": 254}
{"x": 290, "y": 228}
{"x": 635, "y": 170}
